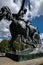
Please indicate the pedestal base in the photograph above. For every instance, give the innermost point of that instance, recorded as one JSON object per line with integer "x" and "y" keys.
{"x": 21, "y": 57}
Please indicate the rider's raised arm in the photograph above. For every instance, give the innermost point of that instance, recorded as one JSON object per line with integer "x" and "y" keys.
{"x": 22, "y": 6}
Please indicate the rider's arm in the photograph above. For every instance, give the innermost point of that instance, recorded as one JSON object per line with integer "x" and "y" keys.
{"x": 21, "y": 19}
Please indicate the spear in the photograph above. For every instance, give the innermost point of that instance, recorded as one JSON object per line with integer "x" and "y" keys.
{"x": 29, "y": 7}
{"x": 29, "y": 4}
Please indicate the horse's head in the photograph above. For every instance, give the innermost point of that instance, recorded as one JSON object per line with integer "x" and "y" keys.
{"x": 5, "y": 12}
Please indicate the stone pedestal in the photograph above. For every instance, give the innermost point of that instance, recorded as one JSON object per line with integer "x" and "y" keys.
{"x": 21, "y": 56}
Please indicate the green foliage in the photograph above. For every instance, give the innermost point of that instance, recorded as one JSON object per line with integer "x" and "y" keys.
{"x": 20, "y": 46}
{"x": 26, "y": 46}
{"x": 4, "y": 46}
{"x": 16, "y": 45}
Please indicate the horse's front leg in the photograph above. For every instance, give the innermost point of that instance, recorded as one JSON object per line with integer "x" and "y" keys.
{"x": 11, "y": 43}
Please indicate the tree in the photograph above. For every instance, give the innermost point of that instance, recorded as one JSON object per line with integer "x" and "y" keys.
{"x": 4, "y": 46}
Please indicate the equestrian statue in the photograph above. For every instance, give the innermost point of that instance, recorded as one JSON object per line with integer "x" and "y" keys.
{"x": 16, "y": 28}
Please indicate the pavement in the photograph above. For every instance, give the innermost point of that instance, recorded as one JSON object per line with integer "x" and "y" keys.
{"x": 8, "y": 61}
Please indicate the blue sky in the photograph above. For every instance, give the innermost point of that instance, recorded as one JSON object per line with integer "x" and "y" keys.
{"x": 38, "y": 22}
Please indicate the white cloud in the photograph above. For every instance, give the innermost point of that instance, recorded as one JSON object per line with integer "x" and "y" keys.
{"x": 4, "y": 28}
{"x": 13, "y": 6}
{"x": 42, "y": 42}
{"x": 41, "y": 35}
{"x": 1, "y": 40}
{"x": 36, "y": 8}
